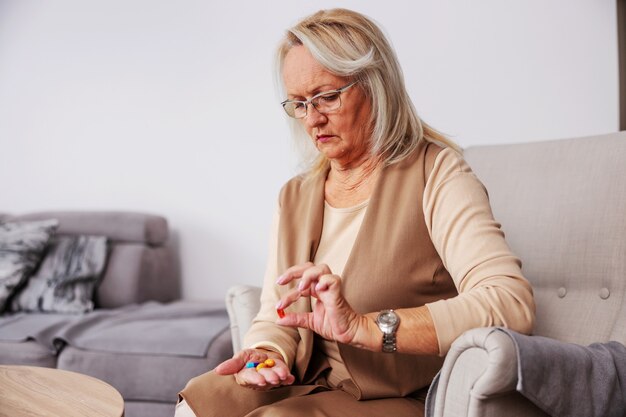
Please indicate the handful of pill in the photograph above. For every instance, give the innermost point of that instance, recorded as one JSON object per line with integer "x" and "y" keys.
{"x": 268, "y": 363}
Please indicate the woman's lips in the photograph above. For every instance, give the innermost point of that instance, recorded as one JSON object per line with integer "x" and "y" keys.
{"x": 324, "y": 138}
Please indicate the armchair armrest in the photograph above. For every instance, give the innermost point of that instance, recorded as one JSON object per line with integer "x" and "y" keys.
{"x": 242, "y": 303}
{"x": 479, "y": 378}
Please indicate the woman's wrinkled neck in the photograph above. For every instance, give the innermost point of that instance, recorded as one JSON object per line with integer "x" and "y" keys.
{"x": 350, "y": 185}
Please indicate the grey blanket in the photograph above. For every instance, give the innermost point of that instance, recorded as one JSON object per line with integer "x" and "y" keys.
{"x": 565, "y": 379}
{"x": 180, "y": 328}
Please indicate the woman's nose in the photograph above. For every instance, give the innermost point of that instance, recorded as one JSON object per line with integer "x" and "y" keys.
{"x": 314, "y": 117}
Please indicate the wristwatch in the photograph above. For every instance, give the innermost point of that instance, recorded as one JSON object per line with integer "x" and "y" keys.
{"x": 388, "y": 322}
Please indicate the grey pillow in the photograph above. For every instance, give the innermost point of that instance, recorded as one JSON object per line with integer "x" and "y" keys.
{"x": 67, "y": 278}
{"x": 22, "y": 245}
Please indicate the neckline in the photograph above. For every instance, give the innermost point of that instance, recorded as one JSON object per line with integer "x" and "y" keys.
{"x": 350, "y": 209}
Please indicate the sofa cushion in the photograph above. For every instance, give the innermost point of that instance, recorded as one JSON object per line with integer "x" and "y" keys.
{"x": 141, "y": 265}
{"x": 22, "y": 245}
{"x": 136, "y": 273}
{"x": 145, "y": 376}
{"x": 148, "y": 409}
{"x": 117, "y": 225}
{"x": 68, "y": 275}
{"x": 151, "y": 328}
{"x": 28, "y": 353}
{"x": 148, "y": 352}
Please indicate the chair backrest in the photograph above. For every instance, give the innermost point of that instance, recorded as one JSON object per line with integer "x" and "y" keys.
{"x": 562, "y": 206}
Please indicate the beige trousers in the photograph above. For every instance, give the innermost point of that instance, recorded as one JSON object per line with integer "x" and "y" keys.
{"x": 212, "y": 395}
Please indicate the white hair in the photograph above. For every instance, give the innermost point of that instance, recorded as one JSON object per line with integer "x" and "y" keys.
{"x": 350, "y": 45}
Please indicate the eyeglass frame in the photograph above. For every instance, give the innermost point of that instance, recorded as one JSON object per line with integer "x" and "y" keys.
{"x": 310, "y": 101}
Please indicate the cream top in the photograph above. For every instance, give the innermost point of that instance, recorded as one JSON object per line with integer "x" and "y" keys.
{"x": 341, "y": 226}
{"x": 468, "y": 240}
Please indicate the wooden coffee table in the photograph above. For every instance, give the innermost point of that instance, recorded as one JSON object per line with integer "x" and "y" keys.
{"x": 28, "y": 391}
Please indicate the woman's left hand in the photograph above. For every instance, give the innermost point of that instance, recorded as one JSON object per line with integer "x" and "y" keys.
{"x": 331, "y": 316}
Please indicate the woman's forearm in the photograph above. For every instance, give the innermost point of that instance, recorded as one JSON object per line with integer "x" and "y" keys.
{"x": 415, "y": 335}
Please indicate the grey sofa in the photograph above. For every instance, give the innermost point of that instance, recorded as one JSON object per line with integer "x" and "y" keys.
{"x": 562, "y": 205}
{"x": 141, "y": 338}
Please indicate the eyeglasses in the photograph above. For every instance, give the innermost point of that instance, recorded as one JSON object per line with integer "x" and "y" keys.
{"x": 325, "y": 102}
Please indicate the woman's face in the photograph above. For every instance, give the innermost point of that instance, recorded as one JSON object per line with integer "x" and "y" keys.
{"x": 343, "y": 135}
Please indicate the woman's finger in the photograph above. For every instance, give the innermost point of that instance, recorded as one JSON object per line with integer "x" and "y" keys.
{"x": 302, "y": 320}
{"x": 270, "y": 376}
{"x": 328, "y": 283}
{"x": 306, "y": 288}
{"x": 312, "y": 275}
{"x": 250, "y": 378}
{"x": 293, "y": 272}
{"x": 291, "y": 297}
{"x": 229, "y": 367}
{"x": 282, "y": 371}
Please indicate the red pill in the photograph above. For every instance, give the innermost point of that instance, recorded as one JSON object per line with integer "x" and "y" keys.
{"x": 281, "y": 312}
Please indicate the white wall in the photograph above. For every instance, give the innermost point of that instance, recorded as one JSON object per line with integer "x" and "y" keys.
{"x": 170, "y": 107}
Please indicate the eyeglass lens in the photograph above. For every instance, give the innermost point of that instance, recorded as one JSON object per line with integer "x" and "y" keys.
{"x": 325, "y": 103}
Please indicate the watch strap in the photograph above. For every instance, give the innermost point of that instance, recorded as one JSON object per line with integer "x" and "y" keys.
{"x": 389, "y": 342}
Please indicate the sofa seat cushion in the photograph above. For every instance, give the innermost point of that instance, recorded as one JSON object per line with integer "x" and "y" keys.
{"x": 148, "y": 352}
{"x": 26, "y": 353}
{"x": 148, "y": 409}
{"x": 179, "y": 328}
{"x": 146, "y": 376}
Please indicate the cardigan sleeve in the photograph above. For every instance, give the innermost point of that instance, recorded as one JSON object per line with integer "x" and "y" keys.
{"x": 471, "y": 244}
{"x": 264, "y": 332}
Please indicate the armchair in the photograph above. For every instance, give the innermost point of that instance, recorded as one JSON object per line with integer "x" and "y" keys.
{"x": 562, "y": 205}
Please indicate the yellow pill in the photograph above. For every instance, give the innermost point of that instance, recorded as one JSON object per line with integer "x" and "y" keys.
{"x": 261, "y": 366}
{"x": 270, "y": 363}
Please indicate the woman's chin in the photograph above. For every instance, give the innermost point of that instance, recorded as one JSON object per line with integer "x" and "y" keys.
{"x": 331, "y": 150}
{"x": 335, "y": 156}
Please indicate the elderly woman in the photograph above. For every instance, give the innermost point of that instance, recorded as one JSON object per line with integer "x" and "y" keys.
{"x": 381, "y": 254}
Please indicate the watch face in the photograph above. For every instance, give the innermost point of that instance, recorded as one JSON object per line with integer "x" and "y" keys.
{"x": 388, "y": 318}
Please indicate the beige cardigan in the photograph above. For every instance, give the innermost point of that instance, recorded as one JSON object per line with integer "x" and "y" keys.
{"x": 453, "y": 230}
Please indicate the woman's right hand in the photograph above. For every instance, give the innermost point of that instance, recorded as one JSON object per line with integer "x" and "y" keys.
{"x": 265, "y": 378}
